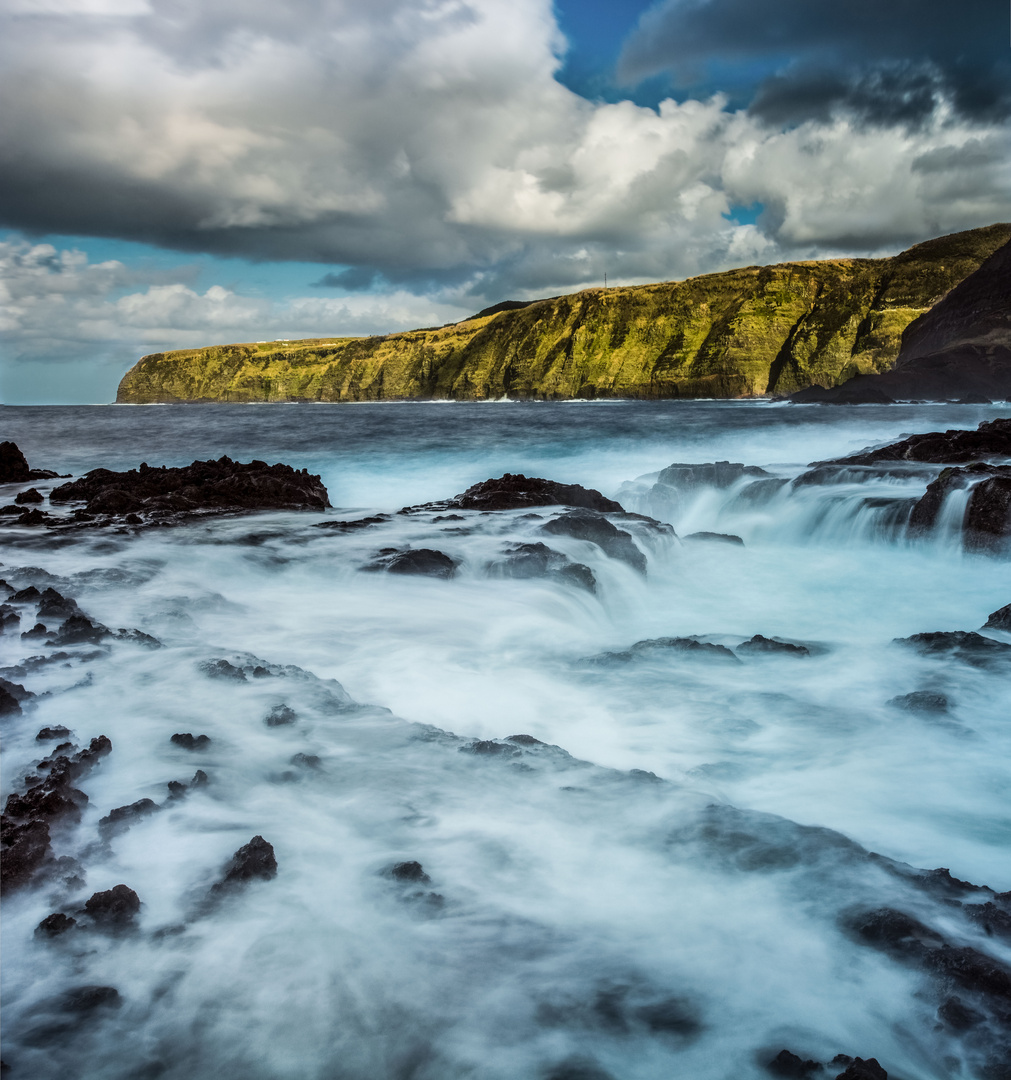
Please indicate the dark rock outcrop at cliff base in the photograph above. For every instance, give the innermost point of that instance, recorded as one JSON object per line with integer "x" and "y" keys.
{"x": 957, "y": 446}
{"x": 999, "y": 619}
{"x": 986, "y": 525}
{"x": 14, "y": 467}
{"x": 220, "y": 486}
{"x": 958, "y": 350}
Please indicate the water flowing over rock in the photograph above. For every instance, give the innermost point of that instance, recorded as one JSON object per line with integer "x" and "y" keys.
{"x": 518, "y": 492}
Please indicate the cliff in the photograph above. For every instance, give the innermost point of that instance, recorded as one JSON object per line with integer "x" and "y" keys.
{"x": 756, "y": 330}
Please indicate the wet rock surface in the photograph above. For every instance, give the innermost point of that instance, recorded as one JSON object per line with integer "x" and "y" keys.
{"x": 658, "y": 648}
{"x": 999, "y": 619}
{"x": 537, "y": 560}
{"x": 514, "y": 491}
{"x": 222, "y": 486}
{"x": 188, "y": 741}
{"x": 422, "y": 562}
{"x": 254, "y": 861}
{"x": 760, "y": 645}
{"x": 965, "y": 645}
{"x": 14, "y": 466}
{"x": 713, "y": 537}
{"x": 114, "y": 909}
{"x": 991, "y": 439}
{"x": 921, "y": 701}
{"x": 594, "y": 527}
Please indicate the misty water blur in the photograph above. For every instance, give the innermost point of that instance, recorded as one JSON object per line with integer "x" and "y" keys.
{"x": 578, "y": 916}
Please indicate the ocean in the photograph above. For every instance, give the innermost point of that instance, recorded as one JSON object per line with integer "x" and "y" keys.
{"x": 664, "y": 884}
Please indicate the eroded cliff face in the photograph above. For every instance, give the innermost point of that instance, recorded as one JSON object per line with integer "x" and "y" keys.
{"x": 757, "y": 330}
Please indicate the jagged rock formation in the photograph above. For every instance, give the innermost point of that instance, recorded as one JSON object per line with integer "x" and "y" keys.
{"x": 756, "y": 330}
{"x": 958, "y": 350}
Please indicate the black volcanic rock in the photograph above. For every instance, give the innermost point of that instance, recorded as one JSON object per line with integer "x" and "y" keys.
{"x": 861, "y": 1069}
{"x": 122, "y": 817}
{"x": 280, "y": 715}
{"x": 13, "y": 464}
{"x": 921, "y": 701}
{"x": 426, "y": 562}
{"x": 25, "y": 848}
{"x": 718, "y": 474}
{"x": 80, "y": 630}
{"x": 759, "y": 645}
{"x": 254, "y": 861}
{"x": 953, "y": 447}
{"x": 513, "y": 491}
{"x": 999, "y": 619}
{"x": 593, "y": 526}
{"x": 115, "y": 909}
{"x": 965, "y": 645}
{"x": 30, "y": 496}
{"x": 537, "y": 560}
{"x": 190, "y": 742}
{"x": 220, "y": 486}
{"x": 669, "y": 645}
{"x": 713, "y": 537}
{"x": 788, "y": 1064}
{"x": 986, "y": 525}
{"x": 54, "y": 925}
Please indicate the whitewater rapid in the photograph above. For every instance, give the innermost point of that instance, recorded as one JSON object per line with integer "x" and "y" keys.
{"x": 634, "y": 896}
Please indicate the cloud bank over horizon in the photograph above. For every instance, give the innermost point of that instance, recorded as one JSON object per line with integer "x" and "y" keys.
{"x": 427, "y": 156}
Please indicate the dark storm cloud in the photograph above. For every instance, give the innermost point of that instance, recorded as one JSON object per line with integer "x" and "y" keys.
{"x": 886, "y": 62}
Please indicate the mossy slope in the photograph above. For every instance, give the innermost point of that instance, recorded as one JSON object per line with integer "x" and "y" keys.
{"x": 757, "y": 330}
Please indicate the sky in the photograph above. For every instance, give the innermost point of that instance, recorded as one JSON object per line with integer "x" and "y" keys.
{"x": 178, "y": 173}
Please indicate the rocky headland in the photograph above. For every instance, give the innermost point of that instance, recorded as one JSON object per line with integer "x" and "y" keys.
{"x": 752, "y": 331}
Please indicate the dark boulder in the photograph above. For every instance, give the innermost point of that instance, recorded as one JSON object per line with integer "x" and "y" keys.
{"x": 80, "y": 630}
{"x": 221, "y": 486}
{"x": 254, "y": 861}
{"x": 188, "y": 741}
{"x": 122, "y": 817}
{"x": 921, "y": 701}
{"x": 424, "y": 562}
{"x": 988, "y": 515}
{"x": 965, "y": 645}
{"x": 222, "y": 669}
{"x": 85, "y": 999}
{"x": 25, "y": 848}
{"x": 33, "y": 517}
{"x": 594, "y": 527}
{"x": 9, "y": 704}
{"x": 409, "y": 872}
{"x": 115, "y": 909}
{"x": 518, "y": 492}
{"x": 13, "y": 464}
{"x": 525, "y": 561}
{"x": 999, "y": 619}
{"x": 46, "y": 801}
{"x": 53, "y": 605}
{"x": 37, "y": 633}
{"x": 958, "y": 1016}
{"x": 27, "y": 595}
{"x": 54, "y": 925}
{"x": 32, "y": 495}
{"x": 759, "y": 645}
{"x": 859, "y": 1068}
{"x": 788, "y": 1064}
{"x": 10, "y": 620}
{"x": 280, "y": 715}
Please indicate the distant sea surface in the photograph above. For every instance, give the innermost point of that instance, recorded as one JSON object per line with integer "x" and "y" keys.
{"x": 661, "y": 889}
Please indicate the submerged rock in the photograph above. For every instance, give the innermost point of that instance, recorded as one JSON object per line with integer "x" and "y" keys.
{"x": 221, "y": 486}
{"x": 425, "y": 562}
{"x": 859, "y": 1069}
{"x": 922, "y": 701}
{"x": 722, "y": 538}
{"x": 718, "y": 474}
{"x": 409, "y": 871}
{"x": 79, "y": 630}
{"x": 280, "y": 715}
{"x": 669, "y": 645}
